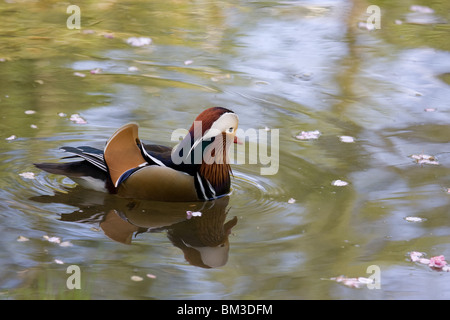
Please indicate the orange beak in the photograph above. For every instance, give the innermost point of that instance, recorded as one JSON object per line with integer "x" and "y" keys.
{"x": 237, "y": 140}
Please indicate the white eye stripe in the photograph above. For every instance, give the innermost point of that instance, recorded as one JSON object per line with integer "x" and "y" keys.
{"x": 226, "y": 122}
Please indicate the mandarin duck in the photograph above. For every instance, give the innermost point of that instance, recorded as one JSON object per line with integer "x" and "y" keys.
{"x": 197, "y": 169}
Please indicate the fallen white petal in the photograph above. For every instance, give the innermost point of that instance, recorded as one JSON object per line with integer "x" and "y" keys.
{"x": 347, "y": 139}
{"x": 414, "y": 219}
{"x": 22, "y": 239}
{"x": 151, "y": 276}
{"x": 291, "y": 200}
{"x": 308, "y": 135}
{"x": 11, "y": 138}
{"x": 428, "y": 162}
{"x": 339, "y": 183}
{"x": 425, "y": 159}
{"x": 421, "y": 9}
{"x": 30, "y": 112}
{"x": 66, "y": 244}
{"x": 27, "y": 175}
{"x": 139, "y": 41}
{"x": 136, "y": 278}
{"x": 365, "y": 280}
{"x": 415, "y": 255}
{"x": 58, "y": 261}
{"x": 52, "y": 239}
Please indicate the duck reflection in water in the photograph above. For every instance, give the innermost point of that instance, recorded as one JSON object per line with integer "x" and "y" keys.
{"x": 203, "y": 239}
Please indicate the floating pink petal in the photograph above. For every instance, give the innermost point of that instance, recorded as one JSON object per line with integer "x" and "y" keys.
{"x": 437, "y": 262}
{"x": 77, "y": 119}
{"x": 415, "y": 256}
{"x": 352, "y": 282}
{"x": 190, "y": 214}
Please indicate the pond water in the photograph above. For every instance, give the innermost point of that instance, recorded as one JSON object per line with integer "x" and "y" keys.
{"x": 291, "y": 66}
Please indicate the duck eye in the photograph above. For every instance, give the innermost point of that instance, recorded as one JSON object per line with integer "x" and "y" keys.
{"x": 230, "y": 130}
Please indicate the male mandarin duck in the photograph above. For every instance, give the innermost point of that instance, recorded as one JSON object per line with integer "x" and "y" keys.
{"x": 197, "y": 169}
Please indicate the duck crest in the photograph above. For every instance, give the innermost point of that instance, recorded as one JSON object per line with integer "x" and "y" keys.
{"x": 207, "y": 118}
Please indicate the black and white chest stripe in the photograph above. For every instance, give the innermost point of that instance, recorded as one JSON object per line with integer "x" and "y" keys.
{"x": 205, "y": 190}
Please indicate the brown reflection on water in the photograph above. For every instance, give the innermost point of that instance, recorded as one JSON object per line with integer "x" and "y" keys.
{"x": 203, "y": 239}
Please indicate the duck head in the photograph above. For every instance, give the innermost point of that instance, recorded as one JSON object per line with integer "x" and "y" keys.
{"x": 209, "y": 138}
{"x": 205, "y": 149}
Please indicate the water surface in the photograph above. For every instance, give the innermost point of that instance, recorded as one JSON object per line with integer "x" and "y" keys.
{"x": 288, "y": 65}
